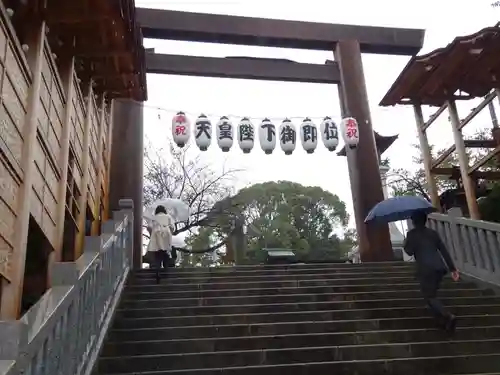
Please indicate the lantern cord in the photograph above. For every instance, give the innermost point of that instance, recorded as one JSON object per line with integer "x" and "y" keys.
{"x": 229, "y": 115}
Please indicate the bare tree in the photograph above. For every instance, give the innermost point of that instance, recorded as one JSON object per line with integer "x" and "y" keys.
{"x": 180, "y": 174}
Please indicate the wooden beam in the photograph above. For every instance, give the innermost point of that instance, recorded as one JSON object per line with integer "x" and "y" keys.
{"x": 449, "y": 171}
{"x": 113, "y": 76}
{"x": 245, "y": 68}
{"x": 480, "y": 143}
{"x": 216, "y": 28}
{"x": 67, "y": 76}
{"x": 469, "y": 143}
{"x": 97, "y": 205}
{"x": 100, "y": 53}
{"x": 55, "y": 19}
{"x": 463, "y": 161}
{"x": 455, "y": 172}
{"x": 480, "y": 163}
{"x": 445, "y": 155}
{"x": 474, "y": 112}
{"x": 426, "y": 156}
{"x": 82, "y": 201}
{"x": 434, "y": 116}
{"x": 109, "y": 141}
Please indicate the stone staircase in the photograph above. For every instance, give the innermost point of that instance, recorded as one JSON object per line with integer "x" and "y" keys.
{"x": 301, "y": 319}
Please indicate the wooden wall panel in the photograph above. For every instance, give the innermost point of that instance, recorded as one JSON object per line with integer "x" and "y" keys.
{"x": 14, "y": 96}
{"x": 36, "y": 207}
{"x": 5, "y": 258}
{"x": 7, "y": 221}
{"x": 9, "y": 187}
{"x": 52, "y": 107}
{"x": 40, "y": 161}
{"x": 17, "y": 74}
{"x": 11, "y": 142}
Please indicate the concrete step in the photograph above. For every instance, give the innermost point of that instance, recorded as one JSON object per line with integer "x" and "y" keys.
{"x": 220, "y": 293}
{"x": 384, "y": 318}
{"x": 164, "y": 286}
{"x": 435, "y": 365}
{"x": 156, "y": 344}
{"x": 228, "y": 359}
{"x": 162, "y": 330}
{"x": 155, "y": 302}
{"x": 122, "y": 321}
{"x": 214, "y": 285}
{"x": 147, "y": 310}
{"x": 224, "y": 272}
{"x": 341, "y": 274}
{"x": 274, "y": 267}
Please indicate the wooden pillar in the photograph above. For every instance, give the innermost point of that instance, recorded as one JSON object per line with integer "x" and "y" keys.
{"x": 463, "y": 160}
{"x": 97, "y": 207}
{"x": 366, "y": 186}
{"x": 127, "y": 155}
{"x": 495, "y": 131}
{"x": 82, "y": 201}
{"x": 426, "y": 156}
{"x": 109, "y": 141}
{"x": 12, "y": 292}
{"x": 68, "y": 71}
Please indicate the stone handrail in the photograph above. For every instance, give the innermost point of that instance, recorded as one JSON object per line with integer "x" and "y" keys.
{"x": 473, "y": 244}
{"x": 63, "y": 333}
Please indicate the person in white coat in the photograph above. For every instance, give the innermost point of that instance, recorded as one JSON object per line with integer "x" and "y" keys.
{"x": 160, "y": 243}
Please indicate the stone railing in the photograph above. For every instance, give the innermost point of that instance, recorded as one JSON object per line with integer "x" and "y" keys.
{"x": 473, "y": 244}
{"x": 62, "y": 334}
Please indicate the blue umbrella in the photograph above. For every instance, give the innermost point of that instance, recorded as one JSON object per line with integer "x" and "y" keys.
{"x": 398, "y": 208}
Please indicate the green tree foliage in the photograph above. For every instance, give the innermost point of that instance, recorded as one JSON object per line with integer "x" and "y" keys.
{"x": 284, "y": 214}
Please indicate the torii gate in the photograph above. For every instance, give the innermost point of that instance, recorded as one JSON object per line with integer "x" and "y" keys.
{"x": 347, "y": 42}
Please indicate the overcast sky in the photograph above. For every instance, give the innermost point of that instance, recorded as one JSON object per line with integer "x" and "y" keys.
{"x": 443, "y": 20}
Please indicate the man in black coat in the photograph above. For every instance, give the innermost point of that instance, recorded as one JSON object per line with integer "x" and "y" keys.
{"x": 433, "y": 263}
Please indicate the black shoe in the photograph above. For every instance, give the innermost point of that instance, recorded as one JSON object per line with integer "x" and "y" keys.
{"x": 451, "y": 324}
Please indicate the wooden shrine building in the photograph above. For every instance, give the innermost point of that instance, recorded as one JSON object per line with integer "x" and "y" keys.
{"x": 62, "y": 66}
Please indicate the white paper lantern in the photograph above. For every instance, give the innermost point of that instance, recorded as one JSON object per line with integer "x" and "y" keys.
{"x": 225, "y": 134}
{"x": 288, "y": 136}
{"x": 246, "y": 135}
{"x": 350, "y": 131}
{"x": 181, "y": 129}
{"x": 267, "y": 136}
{"x": 203, "y": 132}
{"x": 309, "y": 135}
{"x": 329, "y": 133}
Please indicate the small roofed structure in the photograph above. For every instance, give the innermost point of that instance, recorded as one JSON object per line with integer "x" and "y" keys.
{"x": 467, "y": 68}
{"x": 382, "y": 143}
{"x": 103, "y": 36}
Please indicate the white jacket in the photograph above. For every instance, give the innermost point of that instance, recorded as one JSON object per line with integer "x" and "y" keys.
{"x": 161, "y": 233}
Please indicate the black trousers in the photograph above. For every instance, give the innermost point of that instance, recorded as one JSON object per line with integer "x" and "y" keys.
{"x": 430, "y": 281}
{"x": 162, "y": 259}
